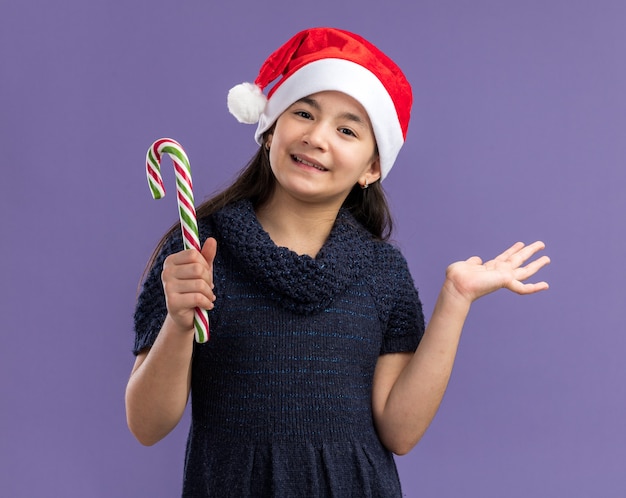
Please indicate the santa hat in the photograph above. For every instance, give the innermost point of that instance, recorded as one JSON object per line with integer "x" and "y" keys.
{"x": 321, "y": 59}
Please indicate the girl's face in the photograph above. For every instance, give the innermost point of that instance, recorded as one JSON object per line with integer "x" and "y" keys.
{"x": 322, "y": 145}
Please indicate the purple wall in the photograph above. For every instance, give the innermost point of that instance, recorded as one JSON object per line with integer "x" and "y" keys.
{"x": 518, "y": 133}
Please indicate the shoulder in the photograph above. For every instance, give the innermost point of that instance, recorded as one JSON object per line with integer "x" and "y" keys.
{"x": 388, "y": 251}
{"x": 381, "y": 261}
{"x": 390, "y": 262}
{"x": 390, "y": 276}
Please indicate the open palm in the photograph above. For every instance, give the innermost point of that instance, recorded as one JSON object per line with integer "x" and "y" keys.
{"x": 472, "y": 278}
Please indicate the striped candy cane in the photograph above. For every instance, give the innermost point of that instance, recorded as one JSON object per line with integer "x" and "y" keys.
{"x": 186, "y": 209}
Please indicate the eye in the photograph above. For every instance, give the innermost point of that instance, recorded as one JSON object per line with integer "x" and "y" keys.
{"x": 303, "y": 114}
{"x": 347, "y": 131}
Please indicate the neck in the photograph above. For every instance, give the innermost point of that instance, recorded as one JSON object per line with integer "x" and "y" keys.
{"x": 301, "y": 227}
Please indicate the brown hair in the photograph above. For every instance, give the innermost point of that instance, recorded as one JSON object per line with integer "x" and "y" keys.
{"x": 256, "y": 182}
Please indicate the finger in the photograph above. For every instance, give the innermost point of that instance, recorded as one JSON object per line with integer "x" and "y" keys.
{"x": 524, "y": 253}
{"x": 531, "y": 249}
{"x": 515, "y": 248}
{"x": 188, "y": 286}
{"x": 474, "y": 260}
{"x": 531, "y": 268}
{"x": 519, "y": 259}
{"x": 189, "y": 293}
{"x": 198, "y": 269}
{"x": 184, "y": 257}
{"x": 209, "y": 249}
{"x": 188, "y": 302}
{"x": 188, "y": 272}
{"x": 524, "y": 289}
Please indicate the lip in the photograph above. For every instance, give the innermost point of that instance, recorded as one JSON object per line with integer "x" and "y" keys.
{"x": 307, "y": 162}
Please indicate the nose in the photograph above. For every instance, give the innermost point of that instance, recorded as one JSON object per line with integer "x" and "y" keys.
{"x": 316, "y": 136}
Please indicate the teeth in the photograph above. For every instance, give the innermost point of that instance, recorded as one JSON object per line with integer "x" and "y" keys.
{"x": 307, "y": 163}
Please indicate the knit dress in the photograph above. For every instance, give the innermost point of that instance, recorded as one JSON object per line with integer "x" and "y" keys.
{"x": 281, "y": 393}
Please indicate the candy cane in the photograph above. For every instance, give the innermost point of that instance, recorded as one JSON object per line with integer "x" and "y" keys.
{"x": 186, "y": 209}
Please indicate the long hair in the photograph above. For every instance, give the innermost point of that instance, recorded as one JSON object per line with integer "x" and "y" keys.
{"x": 256, "y": 182}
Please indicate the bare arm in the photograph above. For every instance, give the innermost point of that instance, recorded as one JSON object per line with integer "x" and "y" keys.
{"x": 158, "y": 388}
{"x": 408, "y": 387}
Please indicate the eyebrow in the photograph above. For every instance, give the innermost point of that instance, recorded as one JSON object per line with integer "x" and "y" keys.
{"x": 346, "y": 115}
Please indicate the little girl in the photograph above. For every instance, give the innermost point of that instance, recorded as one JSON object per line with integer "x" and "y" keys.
{"x": 319, "y": 366}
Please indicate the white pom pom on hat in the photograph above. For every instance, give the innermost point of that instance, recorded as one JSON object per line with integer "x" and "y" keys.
{"x": 246, "y": 102}
{"x": 321, "y": 59}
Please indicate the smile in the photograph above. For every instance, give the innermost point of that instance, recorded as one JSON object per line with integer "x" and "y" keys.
{"x": 307, "y": 163}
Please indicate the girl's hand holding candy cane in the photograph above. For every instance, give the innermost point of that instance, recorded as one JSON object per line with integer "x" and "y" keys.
{"x": 188, "y": 283}
{"x": 188, "y": 225}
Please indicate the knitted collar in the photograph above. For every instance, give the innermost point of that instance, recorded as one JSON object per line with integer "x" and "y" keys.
{"x": 299, "y": 282}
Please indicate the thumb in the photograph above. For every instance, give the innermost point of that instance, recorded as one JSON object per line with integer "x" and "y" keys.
{"x": 209, "y": 249}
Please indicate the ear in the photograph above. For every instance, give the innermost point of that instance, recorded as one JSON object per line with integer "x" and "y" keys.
{"x": 372, "y": 173}
{"x": 269, "y": 135}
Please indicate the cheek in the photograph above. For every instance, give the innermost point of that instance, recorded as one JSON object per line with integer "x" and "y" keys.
{"x": 277, "y": 158}
{"x": 272, "y": 155}
{"x": 362, "y": 160}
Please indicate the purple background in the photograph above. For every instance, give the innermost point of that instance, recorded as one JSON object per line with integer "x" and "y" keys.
{"x": 517, "y": 133}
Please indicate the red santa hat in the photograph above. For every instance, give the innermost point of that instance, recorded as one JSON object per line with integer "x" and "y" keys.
{"x": 321, "y": 59}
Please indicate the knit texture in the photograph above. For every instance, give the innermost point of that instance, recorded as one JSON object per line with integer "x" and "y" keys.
{"x": 281, "y": 394}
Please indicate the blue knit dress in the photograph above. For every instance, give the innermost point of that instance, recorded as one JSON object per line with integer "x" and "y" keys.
{"x": 281, "y": 394}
